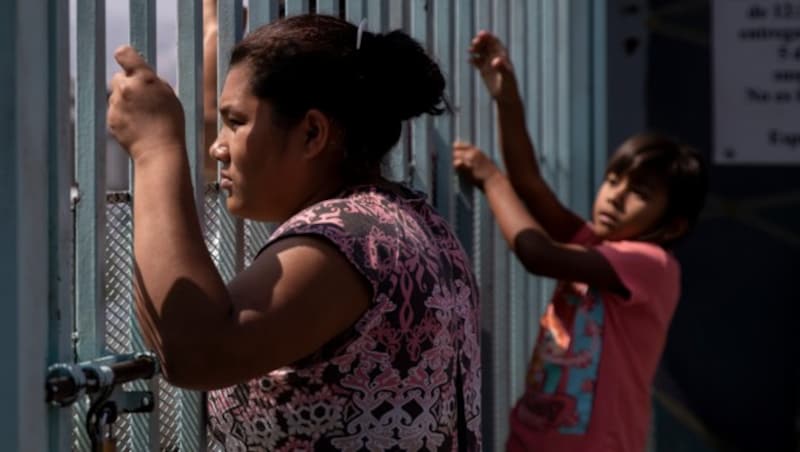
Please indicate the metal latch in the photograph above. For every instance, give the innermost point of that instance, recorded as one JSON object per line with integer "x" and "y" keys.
{"x": 101, "y": 381}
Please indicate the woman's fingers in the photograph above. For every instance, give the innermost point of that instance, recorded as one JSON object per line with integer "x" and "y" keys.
{"x": 458, "y": 144}
{"x": 131, "y": 61}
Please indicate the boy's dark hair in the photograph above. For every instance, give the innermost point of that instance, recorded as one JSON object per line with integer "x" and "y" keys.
{"x": 311, "y": 61}
{"x": 677, "y": 167}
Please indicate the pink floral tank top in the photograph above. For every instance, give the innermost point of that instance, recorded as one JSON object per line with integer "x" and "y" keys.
{"x": 406, "y": 376}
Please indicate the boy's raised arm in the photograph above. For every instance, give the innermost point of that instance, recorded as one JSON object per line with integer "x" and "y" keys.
{"x": 538, "y": 252}
{"x": 490, "y": 57}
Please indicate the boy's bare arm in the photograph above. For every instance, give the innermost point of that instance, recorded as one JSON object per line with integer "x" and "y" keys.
{"x": 491, "y": 59}
{"x": 525, "y": 177}
{"x": 539, "y": 252}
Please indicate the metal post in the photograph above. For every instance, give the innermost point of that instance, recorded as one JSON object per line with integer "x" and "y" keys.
{"x": 231, "y": 239}
{"x": 24, "y": 254}
{"x": 295, "y": 7}
{"x": 443, "y": 125}
{"x": 421, "y": 159}
{"x": 60, "y": 170}
{"x": 188, "y": 406}
{"x": 265, "y": 11}
{"x": 144, "y": 431}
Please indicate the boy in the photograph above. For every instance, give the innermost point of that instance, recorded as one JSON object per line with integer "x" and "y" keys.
{"x": 601, "y": 337}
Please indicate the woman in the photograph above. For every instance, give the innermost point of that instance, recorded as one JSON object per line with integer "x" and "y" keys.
{"x": 356, "y": 327}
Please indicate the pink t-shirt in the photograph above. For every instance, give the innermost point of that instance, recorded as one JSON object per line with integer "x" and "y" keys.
{"x": 588, "y": 385}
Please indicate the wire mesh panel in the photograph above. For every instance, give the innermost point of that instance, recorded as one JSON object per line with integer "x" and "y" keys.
{"x": 168, "y": 421}
{"x": 118, "y": 264}
{"x": 222, "y": 233}
{"x": 256, "y": 235}
{"x": 219, "y": 232}
{"x": 119, "y": 290}
{"x": 172, "y": 416}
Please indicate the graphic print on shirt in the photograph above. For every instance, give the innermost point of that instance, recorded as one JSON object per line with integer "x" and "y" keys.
{"x": 562, "y": 376}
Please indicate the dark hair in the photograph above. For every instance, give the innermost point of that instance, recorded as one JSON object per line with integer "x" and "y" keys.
{"x": 311, "y": 61}
{"x": 678, "y": 168}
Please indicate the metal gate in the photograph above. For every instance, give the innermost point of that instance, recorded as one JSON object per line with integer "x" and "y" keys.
{"x": 552, "y": 45}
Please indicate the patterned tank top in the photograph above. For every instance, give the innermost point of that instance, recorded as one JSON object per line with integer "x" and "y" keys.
{"x": 406, "y": 375}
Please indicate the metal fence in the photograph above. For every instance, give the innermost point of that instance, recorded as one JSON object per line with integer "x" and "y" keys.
{"x": 177, "y": 424}
{"x": 551, "y": 44}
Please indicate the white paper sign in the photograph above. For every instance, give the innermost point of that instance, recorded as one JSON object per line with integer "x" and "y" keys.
{"x": 756, "y": 81}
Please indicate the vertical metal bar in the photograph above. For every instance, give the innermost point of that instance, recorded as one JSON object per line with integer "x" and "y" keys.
{"x": 463, "y": 104}
{"x": 295, "y": 7}
{"x": 232, "y": 239}
{"x": 190, "y": 91}
{"x": 143, "y": 28}
{"x": 9, "y": 249}
{"x": 580, "y": 117}
{"x": 518, "y": 293}
{"x": 533, "y": 79}
{"x": 23, "y": 206}
{"x": 144, "y": 427}
{"x": 379, "y": 20}
{"x": 60, "y": 158}
{"x": 90, "y": 174}
{"x": 90, "y": 166}
{"x": 397, "y": 161}
{"x": 599, "y": 99}
{"x": 190, "y": 404}
{"x": 230, "y": 32}
{"x": 483, "y": 252}
{"x": 501, "y": 296}
{"x": 354, "y": 11}
{"x": 443, "y": 125}
{"x": 421, "y": 160}
{"x": 256, "y": 233}
{"x": 563, "y": 46}
{"x": 548, "y": 111}
{"x": 397, "y": 15}
{"x": 377, "y": 15}
{"x": 329, "y": 7}
{"x": 533, "y": 90}
{"x": 262, "y": 12}
{"x": 548, "y": 108}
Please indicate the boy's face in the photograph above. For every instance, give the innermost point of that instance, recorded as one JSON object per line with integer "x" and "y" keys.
{"x": 628, "y": 207}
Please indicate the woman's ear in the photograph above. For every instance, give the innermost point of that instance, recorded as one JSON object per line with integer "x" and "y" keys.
{"x": 317, "y": 132}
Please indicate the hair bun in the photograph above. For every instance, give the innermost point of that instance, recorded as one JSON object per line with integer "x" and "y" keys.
{"x": 400, "y": 75}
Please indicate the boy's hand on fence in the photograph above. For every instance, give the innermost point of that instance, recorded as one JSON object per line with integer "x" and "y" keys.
{"x": 144, "y": 115}
{"x": 476, "y": 166}
{"x": 490, "y": 57}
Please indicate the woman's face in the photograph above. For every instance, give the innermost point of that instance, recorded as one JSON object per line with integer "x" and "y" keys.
{"x": 266, "y": 170}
